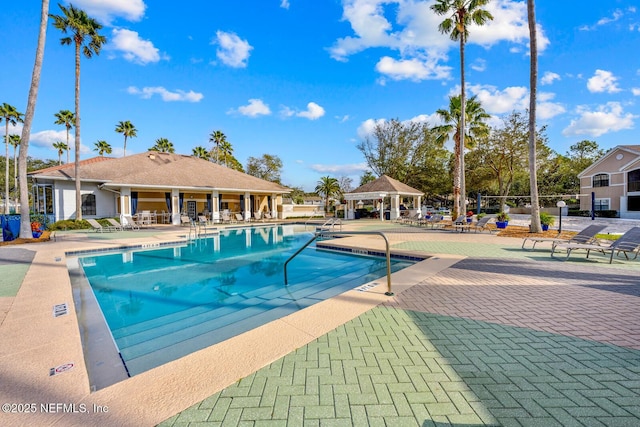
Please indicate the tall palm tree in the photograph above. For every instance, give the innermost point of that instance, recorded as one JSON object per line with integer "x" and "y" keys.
{"x": 66, "y": 118}
{"x": 217, "y": 137}
{"x": 61, "y": 147}
{"x": 533, "y": 88}
{"x": 14, "y": 140}
{"x": 102, "y": 147}
{"x": 226, "y": 149}
{"x": 11, "y": 116}
{"x": 328, "y": 187}
{"x": 128, "y": 130}
{"x": 476, "y": 128}
{"x": 163, "y": 145}
{"x": 462, "y": 13}
{"x": 25, "y": 217}
{"x": 200, "y": 152}
{"x": 85, "y": 37}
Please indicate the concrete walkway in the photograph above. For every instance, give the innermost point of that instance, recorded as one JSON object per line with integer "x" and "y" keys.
{"x": 481, "y": 333}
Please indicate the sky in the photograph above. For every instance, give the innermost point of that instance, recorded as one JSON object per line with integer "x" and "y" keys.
{"x": 307, "y": 80}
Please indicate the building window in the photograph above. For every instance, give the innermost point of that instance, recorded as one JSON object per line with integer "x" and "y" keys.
{"x": 633, "y": 203}
{"x": 601, "y": 180}
{"x": 88, "y": 204}
{"x": 633, "y": 178}
{"x": 601, "y": 205}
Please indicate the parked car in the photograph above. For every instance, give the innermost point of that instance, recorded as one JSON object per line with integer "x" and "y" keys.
{"x": 444, "y": 211}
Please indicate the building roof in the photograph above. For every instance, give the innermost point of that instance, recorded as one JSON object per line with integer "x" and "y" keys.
{"x": 634, "y": 150}
{"x": 382, "y": 185}
{"x": 166, "y": 170}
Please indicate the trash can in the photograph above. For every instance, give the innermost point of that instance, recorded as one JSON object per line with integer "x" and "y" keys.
{"x": 387, "y": 215}
{"x": 10, "y": 227}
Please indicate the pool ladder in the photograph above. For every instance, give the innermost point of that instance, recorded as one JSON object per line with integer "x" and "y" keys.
{"x": 197, "y": 229}
{"x": 335, "y": 233}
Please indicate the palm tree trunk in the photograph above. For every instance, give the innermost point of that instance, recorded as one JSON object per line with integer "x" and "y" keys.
{"x": 25, "y": 219}
{"x": 68, "y": 147}
{"x": 463, "y": 102}
{"x": 77, "y": 138}
{"x": 124, "y": 151}
{"x": 533, "y": 83}
{"x": 6, "y": 167}
{"x": 15, "y": 178}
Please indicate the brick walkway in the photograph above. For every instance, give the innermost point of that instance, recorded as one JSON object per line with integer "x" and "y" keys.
{"x": 490, "y": 341}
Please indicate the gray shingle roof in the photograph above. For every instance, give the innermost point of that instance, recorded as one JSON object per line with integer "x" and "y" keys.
{"x": 152, "y": 169}
{"x": 388, "y": 185}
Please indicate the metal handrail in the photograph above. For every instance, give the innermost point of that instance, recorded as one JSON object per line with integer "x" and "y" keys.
{"x": 335, "y": 233}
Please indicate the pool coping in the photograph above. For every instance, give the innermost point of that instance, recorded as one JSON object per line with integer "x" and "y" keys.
{"x": 155, "y": 395}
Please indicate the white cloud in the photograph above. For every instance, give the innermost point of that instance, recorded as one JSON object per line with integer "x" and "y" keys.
{"x": 603, "y": 81}
{"x": 607, "y": 118}
{"x": 635, "y": 91}
{"x": 178, "y": 95}
{"x": 549, "y": 77}
{"x": 412, "y": 69}
{"x": 232, "y": 50}
{"x": 313, "y": 112}
{"x": 479, "y": 65}
{"x": 617, "y": 14}
{"x": 255, "y": 108}
{"x": 547, "y": 109}
{"x": 341, "y": 170}
{"x": 107, "y": 10}
{"x": 496, "y": 101}
{"x": 13, "y": 129}
{"x": 342, "y": 119}
{"x": 134, "y": 48}
{"x": 284, "y": 4}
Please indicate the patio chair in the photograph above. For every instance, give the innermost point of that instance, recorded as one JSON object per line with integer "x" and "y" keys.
{"x": 433, "y": 222}
{"x": 628, "y": 243}
{"x": 460, "y": 223}
{"x": 185, "y": 220}
{"x": 586, "y": 235}
{"x": 129, "y": 222}
{"x": 257, "y": 216}
{"x": 97, "y": 227}
{"x": 267, "y": 216}
{"x": 239, "y": 217}
{"x": 226, "y": 218}
{"x": 482, "y": 224}
{"x": 115, "y": 224}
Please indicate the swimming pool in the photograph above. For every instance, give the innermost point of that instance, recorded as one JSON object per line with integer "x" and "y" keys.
{"x": 164, "y": 303}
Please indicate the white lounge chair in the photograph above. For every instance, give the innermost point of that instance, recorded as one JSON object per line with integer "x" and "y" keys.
{"x": 129, "y": 222}
{"x": 99, "y": 227}
{"x": 115, "y": 224}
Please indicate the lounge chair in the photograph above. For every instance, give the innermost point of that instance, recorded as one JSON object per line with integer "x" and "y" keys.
{"x": 628, "y": 243}
{"x": 226, "y": 218}
{"x": 115, "y": 224}
{"x": 129, "y": 222}
{"x": 99, "y": 227}
{"x": 587, "y": 236}
{"x": 433, "y": 222}
{"x": 185, "y": 220}
{"x": 267, "y": 216}
{"x": 460, "y": 223}
{"x": 239, "y": 217}
{"x": 482, "y": 224}
{"x": 257, "y": 216}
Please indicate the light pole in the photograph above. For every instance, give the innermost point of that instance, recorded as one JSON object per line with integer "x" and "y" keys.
{"x": 561, "y": 204}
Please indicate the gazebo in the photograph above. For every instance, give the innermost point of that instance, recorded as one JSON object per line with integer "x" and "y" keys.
{"x": 380, "y": 189}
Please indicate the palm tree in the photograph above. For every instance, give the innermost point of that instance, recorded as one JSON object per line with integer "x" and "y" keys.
{"x": 328, "y": 187}
{"x": 462, "y": 13}
{"x": 128, "y": 130}
{"x": 477, "y": 128}
{"x": 61, "y": 147}
{"x": 15, "y": 141}
{"x": 102, "y": 147}
{"x": 533, "y": 88}
{"x": 25, "y": 217}
{"x": 11, "y": 116}
{"x": 217, "y": 137}
{"x": 163, "y": 145}
{"x": 200, "y": 152}
{"x": 85, "y": 37}
{"x": 66, "y": 118}
{"x": 226, "y": 149}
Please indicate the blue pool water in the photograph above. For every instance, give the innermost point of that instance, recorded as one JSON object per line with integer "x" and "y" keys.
{"x": 165, "y": 303}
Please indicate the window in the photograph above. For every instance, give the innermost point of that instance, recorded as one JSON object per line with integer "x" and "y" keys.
{"x": 634, "y": 180}
{"x": 633, "y": 203}
{"x": 601, "y": 180}
{"x": 88, "y": 204}
{"x": 601, "y": 205}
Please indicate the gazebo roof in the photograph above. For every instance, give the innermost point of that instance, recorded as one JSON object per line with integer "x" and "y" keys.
{"x": 382, "y": 187}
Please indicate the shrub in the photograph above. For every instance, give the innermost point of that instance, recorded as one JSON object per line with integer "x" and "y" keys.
{"x": 69, "y": 224}
{"x": 502, "y": 217}
{"x": 546, "y": 218}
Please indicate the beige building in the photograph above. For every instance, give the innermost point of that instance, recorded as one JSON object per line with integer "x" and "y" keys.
{"x": 614, "y": 181}
{"x": 169, "y": 185}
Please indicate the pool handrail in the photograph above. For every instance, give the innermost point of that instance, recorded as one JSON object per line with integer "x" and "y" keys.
{"x": 335, "y": 233}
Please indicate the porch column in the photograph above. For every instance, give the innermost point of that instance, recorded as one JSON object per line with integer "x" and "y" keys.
{"x": 352, "y": 212}
{"x": 395, "y": 207}
{"x": 215, "y": 208}
{"x": 175, "y": 206}
{"x": 417, "y": 203}
{"x": 125, "y": 204}
{"x": 274, "y": 206}
{"x": 247, "y": 206}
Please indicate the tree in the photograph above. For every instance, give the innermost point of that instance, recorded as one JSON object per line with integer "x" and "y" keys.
{"x": 200, "y": 152}
{"x": 345, "y": 183}
{"x": 66, "y": 118}
{"x": 85, "y": 37}
{"x": 217, "y": 137}
{"x": 367, "y": 177}
{"x": 462, "y": 13}
{"x": 61, "y": 147}
{"x": 533, "y": 90}
{"x": 14, "y": 140}
{"x": 267, "y": 167}
{"x": 163, "y": 145}
{"x": 582, "y": 154}
{"x": 102, "y": 147}
{"x": 25, "y": 217}
{"x": 328, "y": 187}
{"x": 226, "y": 149}
{"x": 128, "y": 130}
{"x": 476, "y": 128}
{"x": 11, "y": 116}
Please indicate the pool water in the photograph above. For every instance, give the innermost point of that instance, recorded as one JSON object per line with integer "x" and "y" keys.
{"x": 165, "y": 303}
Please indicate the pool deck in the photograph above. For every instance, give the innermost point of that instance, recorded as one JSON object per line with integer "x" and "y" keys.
{"x": 481, "y": 333}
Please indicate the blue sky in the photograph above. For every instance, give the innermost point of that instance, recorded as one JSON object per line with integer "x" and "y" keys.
{"x": 306, "y": 80}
